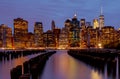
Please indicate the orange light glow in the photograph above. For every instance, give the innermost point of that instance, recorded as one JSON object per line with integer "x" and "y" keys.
{"x": 99, "y": 45}
{"x": 95, "y": 75}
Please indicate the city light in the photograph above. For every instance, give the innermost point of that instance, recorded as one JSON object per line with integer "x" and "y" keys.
{"x": 99, "y": 45}
{"x": 2, "y": 48}
{"x": 76, "y": 34}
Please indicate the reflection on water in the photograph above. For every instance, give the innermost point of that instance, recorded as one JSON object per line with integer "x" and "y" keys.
{"x": 95, "y": 75}
{"x": 6, "y": 66}
{"x": 117, "y": 68}
{"x": 63, "y": 66}
{"x": 105, "y": 71}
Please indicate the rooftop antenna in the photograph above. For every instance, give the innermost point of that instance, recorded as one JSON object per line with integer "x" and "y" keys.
{"x": 75, "y": 15}
{"x": 101, "y": 11}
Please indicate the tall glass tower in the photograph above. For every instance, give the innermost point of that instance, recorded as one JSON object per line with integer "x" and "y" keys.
{"x": 101, "y": 19}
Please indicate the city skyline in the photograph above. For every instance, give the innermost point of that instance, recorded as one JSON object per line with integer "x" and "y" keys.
{"x": 48, "y": 10}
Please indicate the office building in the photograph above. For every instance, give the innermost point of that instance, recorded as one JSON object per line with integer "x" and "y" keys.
{"x": 38, "y": 34}
{"x": 20, "y": 32}
{"x": 49, "y": 39}
{"x": 74, "y": 38}
{"x": 5, "y": 36}
{"x": 95, "y": 23}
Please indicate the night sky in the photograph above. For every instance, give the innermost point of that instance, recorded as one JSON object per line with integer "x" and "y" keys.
{"x": 58, "y": 10}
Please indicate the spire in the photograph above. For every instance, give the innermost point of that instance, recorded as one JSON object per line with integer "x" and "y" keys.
{"x": 101, "y": 10}
{"x": 53, "y": 25}
{"x": 75, "y": 15}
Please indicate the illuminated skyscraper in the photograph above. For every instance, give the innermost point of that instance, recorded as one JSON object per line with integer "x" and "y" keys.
{"x": 5, "y": 36}
{"x": 93, "y": 37}
{"x": 108, "y": 36}
{"x": 95, "y": 23}
{"x": 38, "y": 33}
{"x": 83, "y": 23}
{"x": 20, "y": 32}
{"x": 56, "y": 33}
{"x": 30, "y": 43}
{"x": 101, "y": 20}
{"x": 67, "y": 25}
{"x": 75, "y": 22}
{"x": 74, "y": 38}
{"x": 83, "y": 34}
{"x": 63, "y": 39}
{"x": 49, "y": 39}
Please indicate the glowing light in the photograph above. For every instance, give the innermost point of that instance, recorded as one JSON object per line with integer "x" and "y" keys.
{"x": 99, "y": 45}
{"x": 119, "y": 29}
{"x": 61, "y": 47}
{"x": 95, "y": 75}
{"x": 75, "y": 15}
{"x": 95, "y": 23}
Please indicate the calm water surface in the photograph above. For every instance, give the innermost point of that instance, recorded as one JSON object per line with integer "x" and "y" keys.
{"x": 63, "y": 66}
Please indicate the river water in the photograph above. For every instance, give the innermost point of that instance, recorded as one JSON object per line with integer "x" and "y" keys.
{"x": 7, "y": 65}
{"x": 63, "y": 66}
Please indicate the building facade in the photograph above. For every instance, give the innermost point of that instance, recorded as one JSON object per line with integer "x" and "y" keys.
{"x": 101, "y": 21}
{"x": 49, "y": 39}
{"x": 93, "y": 37}
{"x": 108, "y": 36}
{"x": 83, "y": 34}
{"x": 30, "y": 43}
{"x": 63, "y": 39}
{"x": 20, "y": 32}
{"x": 74, "y": 38}
{"x": 56, "y": 33}
{"x": 5, "y": 36}
{"x": 38, "y": 34}
{"x": 95, "y": 23}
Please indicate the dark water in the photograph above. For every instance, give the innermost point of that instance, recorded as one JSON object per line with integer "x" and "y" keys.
{"x": 63, "y": 66}
{"x": 6, "y": 66}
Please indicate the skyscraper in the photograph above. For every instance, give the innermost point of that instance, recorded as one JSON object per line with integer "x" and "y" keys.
{"x": 101, "y": 19}
{"x": 83, "y": 23}
{"x": 74, "y": 38}
{"x": 75, "y": 22}
{"x": 67, "y": 28}
{"x": 30, "y": 43}
{"x": 56, "y": 33}
{"x": 83, "y": 34}
{"x": 108, "y": 36}
{"x": 95, "y": 23}
{"x": 67, "y": 25}
{"x": 63, "y": 39}
{"x": 49, "y": 39}
{"x": 20, "y": 32}
{"x": 5, "y": 36}
{"x": 38, "y": 34}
